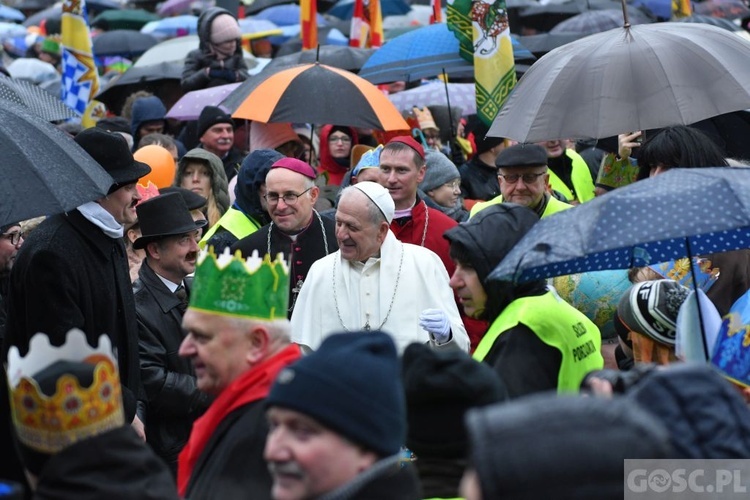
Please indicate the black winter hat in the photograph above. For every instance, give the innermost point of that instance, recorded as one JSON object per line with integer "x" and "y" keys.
{"x": 111, "y": 151}
{"x": 547, "y": 446}
{"x": 440, "y": 387}
{"x": 352, "y": 385}
{"x": 164, "y": 215}
{"x": 489, "y": 235}
{"x": 522, "y": 155}
{"x": 481, "y": 140}
{"x": 210, "y": 116}
{"x": 252, "y": 174}
{"x": 194, "y": 201}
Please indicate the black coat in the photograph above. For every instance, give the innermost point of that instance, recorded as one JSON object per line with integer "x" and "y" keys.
{"x": 113, "y": 465}
{"x": 174, "y": 401}
{"x": 232, "y": 465}
{"x": 301, "y": 254}
{"x": 478, "y": 180}
{"x": 69, "y": 274}
{"x": 387, "y": 479}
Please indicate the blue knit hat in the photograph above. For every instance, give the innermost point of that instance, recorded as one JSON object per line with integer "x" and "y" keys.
{"x": 352, "y": 385}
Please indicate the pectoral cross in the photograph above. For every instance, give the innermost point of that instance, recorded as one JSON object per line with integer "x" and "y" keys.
{"x": 297, "y": 288}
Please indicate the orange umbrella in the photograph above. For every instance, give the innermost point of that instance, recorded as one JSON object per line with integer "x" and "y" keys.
{"x": 314, "y": 93}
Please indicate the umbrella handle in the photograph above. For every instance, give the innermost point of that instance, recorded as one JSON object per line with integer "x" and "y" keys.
{"x": 417, "y": 134}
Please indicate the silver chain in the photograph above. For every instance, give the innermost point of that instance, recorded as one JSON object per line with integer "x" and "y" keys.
{"x": 426, "y": 223}
{"x": 390, "y": 307}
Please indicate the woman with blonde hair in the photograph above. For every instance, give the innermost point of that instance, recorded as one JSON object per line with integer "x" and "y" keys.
{"x": 203, "y": 173}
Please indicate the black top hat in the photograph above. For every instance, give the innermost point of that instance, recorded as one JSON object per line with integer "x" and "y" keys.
{"x": 111, "y": 151}
{"x": 164, "y": 215}
{"x": 194, "y": 201}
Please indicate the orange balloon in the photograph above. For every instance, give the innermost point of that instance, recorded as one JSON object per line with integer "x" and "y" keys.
{"x": 162, "y": 165}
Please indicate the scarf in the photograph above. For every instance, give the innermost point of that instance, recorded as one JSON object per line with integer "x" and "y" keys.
{"x": 253, "y": 385}
{"x": 98, "y": 216}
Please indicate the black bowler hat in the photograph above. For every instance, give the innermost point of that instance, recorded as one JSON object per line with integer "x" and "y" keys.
{"x": 193, "y": 200}
{"x": 111, "y": 151}
{"x": 522, "y": 155}
{"x": 164, "y": 215}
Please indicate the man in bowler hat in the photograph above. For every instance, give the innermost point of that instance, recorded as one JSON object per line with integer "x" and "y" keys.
{"x": 170, "y": 238}
{"x": 72, "y": 271}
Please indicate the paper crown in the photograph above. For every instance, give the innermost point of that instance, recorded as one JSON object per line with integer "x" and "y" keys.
{"x": 424, "y": 117}
{"x": 48, "y": 423}
{"x": 731, "y": 354}
{"x": 253, "y": 288}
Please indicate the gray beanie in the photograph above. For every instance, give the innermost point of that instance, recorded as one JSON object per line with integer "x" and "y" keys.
{"x": 439, "y": 171}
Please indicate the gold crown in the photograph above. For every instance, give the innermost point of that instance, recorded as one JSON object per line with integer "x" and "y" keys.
{"x": 72, "y": 413}
{"x": 424, "y": 117}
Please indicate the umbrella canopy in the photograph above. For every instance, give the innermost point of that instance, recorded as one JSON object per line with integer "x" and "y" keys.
{"x": 189, "y": 106}
{"x": 544, "y": 16}
{"x": 545, "y": 42}
{"x": 285, "y": 15}
{"x": 255, "y": 6}
{"x": 170, "y": 27}
{"x": 596, "y": 21}
{"x": 719, "y": 22}
{"x": 250, "y": 26}
{"x": 34, "y": 98}
{"x": 175, "y": 51}
{"x": 174, "y": 7}
{"x": 462, "y": 95}
{"x": 683, "y": 211}
{"x": 138, "y": 78}
{"x": 11, "y": 14}
{"x": 422, "y": 53}
{"x": 639, "y": 78}
{"x": 729, "y": 9}
{"x": 342, "y": 57}
{"x": 44, "y": 171}
{"x": 314, "y": 93}
{"x": 345, "y": 8}
{"x": 126, "y": 43}
{"x": 124, "y": 19}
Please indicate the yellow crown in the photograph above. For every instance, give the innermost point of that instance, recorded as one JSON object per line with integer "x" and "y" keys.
{"x": 50, "y": 423}
{"x": 424, "y": 117}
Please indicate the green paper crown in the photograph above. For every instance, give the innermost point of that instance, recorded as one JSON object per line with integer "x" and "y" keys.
{"x": 253, "y": 288}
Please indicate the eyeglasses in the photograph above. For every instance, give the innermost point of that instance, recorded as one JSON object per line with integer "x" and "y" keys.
{"x": 344, "y": 139}
{"x": 289, "y": 198}
{"x": 527, "y": 178}
{"x": 453, "y": 184}
{"x": 13, "y": 237}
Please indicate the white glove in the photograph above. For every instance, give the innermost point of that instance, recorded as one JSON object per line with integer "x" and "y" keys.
{"x": 435, "y": 321}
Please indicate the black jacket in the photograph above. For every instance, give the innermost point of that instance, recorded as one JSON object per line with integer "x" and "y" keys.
{"x": 301, "y": 254}
{"x": 230, "y": 70}
{"x": 478, "y": 180}
{"x": 69, "y": 274}
{"x": 232, "y": 465}
{"x": 387, "y": 479}
{"x": 174, "y": 401}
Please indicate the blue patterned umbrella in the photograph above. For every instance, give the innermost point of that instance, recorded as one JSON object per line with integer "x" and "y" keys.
{"x": 345, "y": 8}
{"x": 424, "y": 53}
{"x": 680, "y": 213}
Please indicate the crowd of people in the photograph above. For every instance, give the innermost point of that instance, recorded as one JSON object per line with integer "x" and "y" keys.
{"x": 289, "y": 312}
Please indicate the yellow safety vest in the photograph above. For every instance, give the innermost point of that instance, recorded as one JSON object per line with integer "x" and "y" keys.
{"x": 580, "y": 177}
{"x": 557, "y": 324}
{"x": 234, "y": 221}
{"x": 553, "y": 206}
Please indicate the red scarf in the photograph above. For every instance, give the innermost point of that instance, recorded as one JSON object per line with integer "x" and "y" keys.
{"x": 253, "y": 385}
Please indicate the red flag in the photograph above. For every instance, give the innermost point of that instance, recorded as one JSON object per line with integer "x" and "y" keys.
{"x": 360, "y": 26}
{"x": 309, "y": 22}
{"x": 376, "y": 24}
{"x": 367, "y": 24}
{"x": 436, "y": 16}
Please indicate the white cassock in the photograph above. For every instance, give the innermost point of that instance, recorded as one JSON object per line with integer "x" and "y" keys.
{"x": 340, "y": 296}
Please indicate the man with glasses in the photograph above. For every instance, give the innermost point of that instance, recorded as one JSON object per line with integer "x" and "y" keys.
{"x": 297, "y": 230}
{"x": 11, "y": 240}
{"x": 524, "y": 179}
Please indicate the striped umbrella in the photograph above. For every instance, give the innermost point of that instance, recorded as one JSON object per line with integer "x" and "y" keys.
{"x": 314, "y": 93}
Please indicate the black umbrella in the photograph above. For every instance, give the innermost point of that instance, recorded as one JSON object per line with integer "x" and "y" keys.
{"x": 544, "y": 42}
{"x": 155, "y": 78}
{"x": 126, "y": 43}
{"x": 255, "y": 6}
{"x": 338, "y": 56}
{"x": 34, "y": 98}
{"x": 44, "y": 171}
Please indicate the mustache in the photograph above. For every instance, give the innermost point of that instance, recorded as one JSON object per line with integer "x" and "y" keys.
{"x": 286, "y": 469}
{"x": 191, "y": 256}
